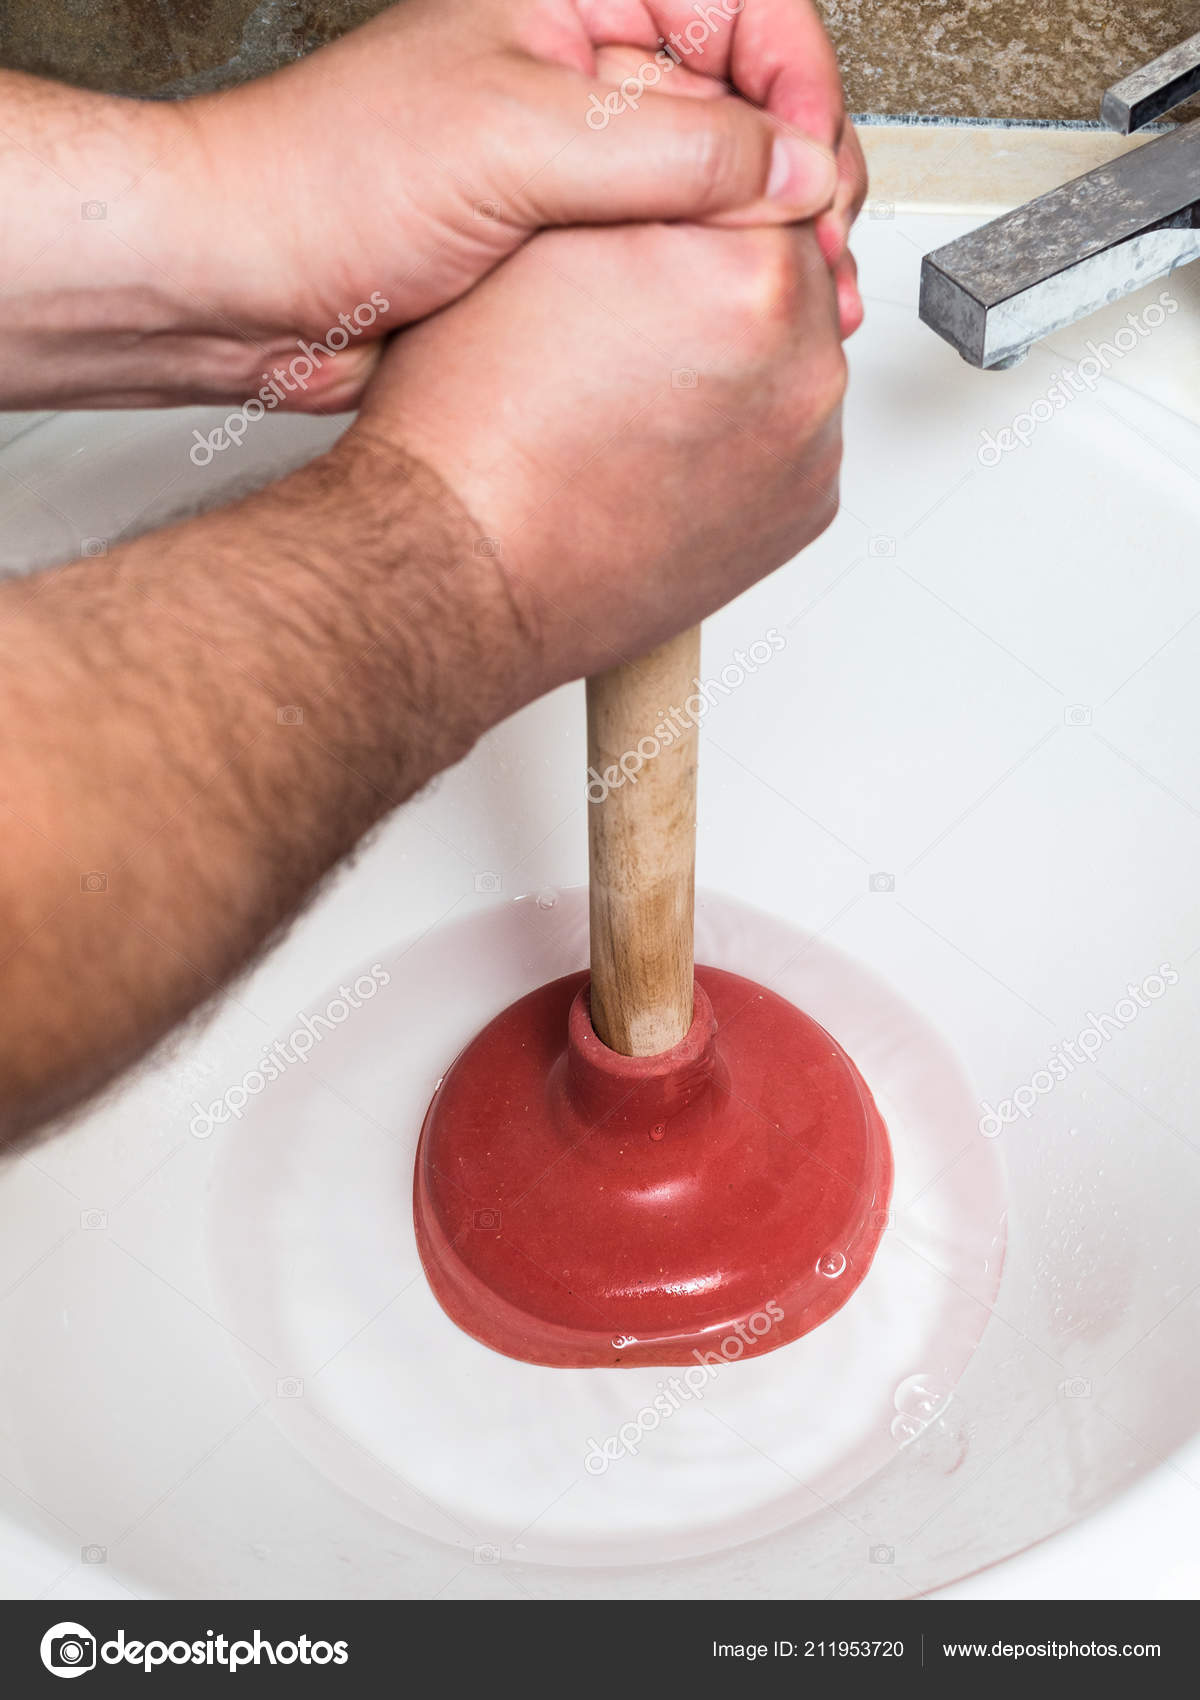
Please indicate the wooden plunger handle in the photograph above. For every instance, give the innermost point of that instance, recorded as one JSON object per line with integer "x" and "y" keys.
{"x": 642, "y": 847}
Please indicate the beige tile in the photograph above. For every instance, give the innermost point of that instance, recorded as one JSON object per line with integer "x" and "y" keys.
{"x": 976, "y": 167}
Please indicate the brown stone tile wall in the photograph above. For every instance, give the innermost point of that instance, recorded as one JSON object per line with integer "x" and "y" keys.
{"x": 956, "y": 58}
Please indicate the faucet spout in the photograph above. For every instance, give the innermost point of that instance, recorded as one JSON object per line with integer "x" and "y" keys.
{"x": 1055, "y": 260}
{"x": 1139, "y": 99}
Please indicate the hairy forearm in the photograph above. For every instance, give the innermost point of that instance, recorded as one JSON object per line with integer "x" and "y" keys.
{"x": 111, "y": 289}
{"x": 194, "y": 730}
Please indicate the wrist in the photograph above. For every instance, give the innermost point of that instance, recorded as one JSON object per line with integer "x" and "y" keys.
{"x": 130, "y": 295}
{"x": 239, "y": 243}
{"x": 433, "y": 650}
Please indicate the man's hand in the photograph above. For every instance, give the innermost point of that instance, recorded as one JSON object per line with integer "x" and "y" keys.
{"x": 641, "y": 421}
{"x": 158, "y": 252}
{"x": 419, "y": 151}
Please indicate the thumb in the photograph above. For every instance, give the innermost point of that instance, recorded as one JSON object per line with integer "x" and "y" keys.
{"x": 638, "y": 154}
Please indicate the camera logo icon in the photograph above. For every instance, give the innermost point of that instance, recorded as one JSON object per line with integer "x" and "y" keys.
{"x": 488, "y": 546}
{"x": 1078, "y": 714}
{"x": 487, "y": 1554}
{"x": 684, "y": 378}
{"x": 290, "y": 715}
{"x": 882, "y": 882}
{"x": 488, "y": 881}
{"x": 883, "y": 1555}
{"x": 91, "y": 548}
{"x": 487, "y": 1221}
{"x": 68, "y": 1649}
{"x": 1077, "y": 1388}
{"x": 93, "y": 882}
{"x": 882, "y": 548}
{"x": 93, "y": 209}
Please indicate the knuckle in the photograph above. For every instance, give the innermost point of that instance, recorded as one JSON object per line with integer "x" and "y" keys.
{"x": 818, "y": 380}
{"x": 827, "y": 477}
{"x": 772, "y": 281}
{"x": 810, "y": 417}
{"x": 819, "y": 462}
{"x": 755, "y": 287}
{"x": 729, "y": 161}
{"x": 830, "y": 380}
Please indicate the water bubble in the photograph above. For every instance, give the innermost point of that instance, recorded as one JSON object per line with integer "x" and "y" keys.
{"x": 620, "y": 1341}
{"x": 657, "y": 1131}
{"x": 546, "y": 899}
{"x": 921, "y": 1396}
{"x": 905, "y": 1429}
{"x": 831, "y": 1265}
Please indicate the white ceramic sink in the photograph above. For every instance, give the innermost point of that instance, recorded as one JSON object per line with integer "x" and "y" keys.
{"x": 969, "y": 786}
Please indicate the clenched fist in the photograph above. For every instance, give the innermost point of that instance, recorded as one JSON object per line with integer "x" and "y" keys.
{"x": 641, "y": 423}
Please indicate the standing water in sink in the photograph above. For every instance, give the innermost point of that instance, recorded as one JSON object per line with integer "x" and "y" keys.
{"x": 313, "y": 1229}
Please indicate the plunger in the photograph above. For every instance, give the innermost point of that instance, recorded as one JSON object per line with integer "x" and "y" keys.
{"x": 654, "y": 1161}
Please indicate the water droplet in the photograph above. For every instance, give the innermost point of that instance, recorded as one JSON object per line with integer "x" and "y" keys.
{"x": 831, "y": 1265}
{"x": 657, "y": 1131}
{"x": 620, "y": 1341}
{"x": 546, "y": 899}
{"x": 946, "y": 1445}
{"x": 905, "y": 1429}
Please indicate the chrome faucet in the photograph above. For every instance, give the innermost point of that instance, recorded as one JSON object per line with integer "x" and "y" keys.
{"x": 1079, "y": 248}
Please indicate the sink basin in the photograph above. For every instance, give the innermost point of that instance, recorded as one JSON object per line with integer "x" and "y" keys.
{"x": 963, "y": 798}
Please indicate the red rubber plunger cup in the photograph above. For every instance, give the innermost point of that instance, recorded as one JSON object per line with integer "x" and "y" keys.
{"x": 652, "y": 1163}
